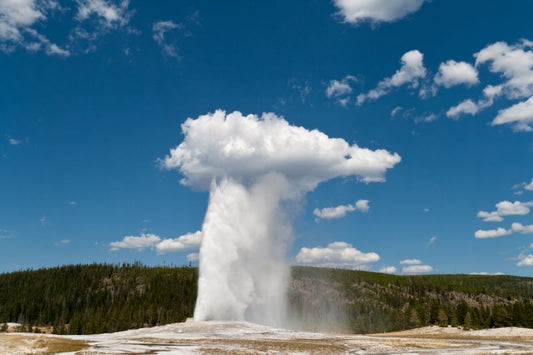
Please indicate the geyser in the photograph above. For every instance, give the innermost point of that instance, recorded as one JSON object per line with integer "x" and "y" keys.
{"x": 251, "y": 165}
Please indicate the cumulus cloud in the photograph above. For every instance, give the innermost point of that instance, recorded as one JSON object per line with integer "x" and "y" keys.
{"x": 410, "y": 73}
{"x": 514, "y": 63}
{"x": 502, "y": 232}
{"x": 432, "y": 240}
{"x": 234, "y": 146}
{"x": 337, "y": 254}
{"x": 162, "y": 246}
{"x": 357, "y": 11}
{"x": 136, "y": 242}
{"x": 184, "y": 242}
{"x": 416, "y": 269}
{"x": 17, "y": 21}
{"x": 525, "y": 260}
{"x": 340, "y": 211}
{"x": 506, "y": 208}
{"x": 520, "y": 116}
{"x": 467, "y": 107}
{"x": 411, "y": 262}
{"x": 388, "y": 270}
{"x": 452, "y": 73}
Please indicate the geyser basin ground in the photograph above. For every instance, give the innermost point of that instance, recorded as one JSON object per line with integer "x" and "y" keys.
{"x": 247, "y": 338}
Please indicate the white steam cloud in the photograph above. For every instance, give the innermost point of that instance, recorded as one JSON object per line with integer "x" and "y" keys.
{"x": 251, "y": 164}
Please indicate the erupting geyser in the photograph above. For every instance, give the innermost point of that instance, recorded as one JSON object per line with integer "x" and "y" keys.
{"x": 251, "y": 165}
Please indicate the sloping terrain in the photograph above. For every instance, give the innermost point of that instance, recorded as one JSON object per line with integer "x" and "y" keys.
{"x": 99, "y": 298}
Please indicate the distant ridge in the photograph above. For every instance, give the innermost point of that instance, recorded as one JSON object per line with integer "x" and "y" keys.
{"x": 96, "y": 298}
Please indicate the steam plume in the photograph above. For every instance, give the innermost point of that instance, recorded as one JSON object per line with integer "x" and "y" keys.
{"x": 251, "y": 165}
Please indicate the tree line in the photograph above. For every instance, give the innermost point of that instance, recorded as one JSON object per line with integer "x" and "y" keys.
{"x": 98, "y": 298}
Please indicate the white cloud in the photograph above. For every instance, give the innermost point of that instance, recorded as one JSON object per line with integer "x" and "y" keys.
{"x": 184, "y": 242}
{"x": 17, "y": 18}
{"x": 388, "y": 270}
{"x": 357, "y": 11}
{"x": 109, "y": 13}
{"x": 410, "y": 73}
{"x": 426, "y": 118}
{"x": 159, "y": 30}
{"x": 337, "y": 254}
{"x": 340, "y": 211}
{"x": 65, "y": 241}
{"x": 426, "y": 210}
{"x": 469, "y": 107}
{"x": 506, "y": 208}
{"x": 416, "y": 269}
{"x": 168, "y": 33}
{"x": 487, "y": 273}
{"x": 453, "y": 73}
{"x": 519, "y": 115}
{"x": 514, "y": 63}
{"x": 395, "y": 111}
{"x": 341, "y": 89}
{"x": 491, "y": 233}
{"x": 133, "y": 242}
{"x": 466, "y": 107}
{"x": 14, "y": 141}
{"x": 193, "y": 257}
{"x": 502, "y": 232}
{"x": 244, "y": 148}
{"x": 410, "y": 262}
{"x": 432, "y": 240}
{"x": 529, "y": 186}
{"x": 526, "y": 261}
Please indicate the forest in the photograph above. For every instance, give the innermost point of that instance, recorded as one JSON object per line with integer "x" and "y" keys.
{"x": 99, "y": 298}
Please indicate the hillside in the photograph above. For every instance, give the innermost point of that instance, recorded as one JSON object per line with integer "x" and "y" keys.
{"x": 84, "y": 299}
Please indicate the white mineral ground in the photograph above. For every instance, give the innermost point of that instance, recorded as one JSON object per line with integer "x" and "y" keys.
{"x": 216, "y": 337}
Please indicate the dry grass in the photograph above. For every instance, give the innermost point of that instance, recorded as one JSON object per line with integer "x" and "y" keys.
{"x": 39, "y": 344}
{"x": 459, "y": 335}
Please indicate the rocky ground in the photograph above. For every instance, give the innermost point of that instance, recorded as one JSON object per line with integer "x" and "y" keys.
{"x": 247, "y": 338}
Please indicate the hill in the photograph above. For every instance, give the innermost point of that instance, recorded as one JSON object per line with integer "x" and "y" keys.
{"x": 85, "y": 299}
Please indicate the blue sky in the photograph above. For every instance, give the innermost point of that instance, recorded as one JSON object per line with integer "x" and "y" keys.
{"x": 93, "y": 93}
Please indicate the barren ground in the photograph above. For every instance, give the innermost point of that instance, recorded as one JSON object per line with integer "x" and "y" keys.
{"x": 247, "y": 338}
